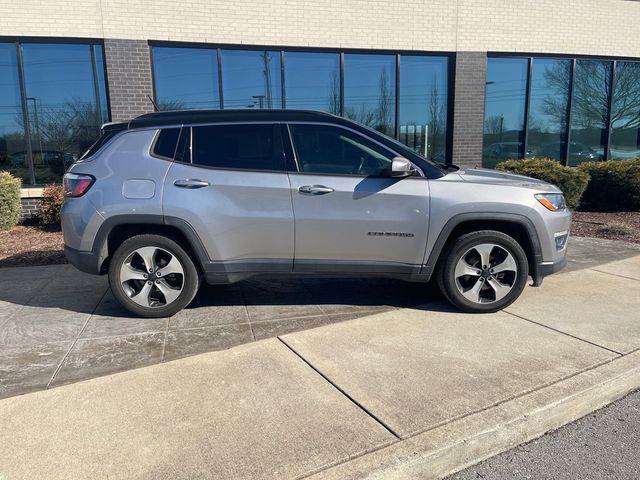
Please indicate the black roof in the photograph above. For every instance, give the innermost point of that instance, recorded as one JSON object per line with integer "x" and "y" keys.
{"x": 179, "y": 117}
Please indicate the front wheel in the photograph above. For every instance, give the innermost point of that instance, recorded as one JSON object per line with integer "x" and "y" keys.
{"x": 483, "y": 271}
{"x": 153, "y": 276}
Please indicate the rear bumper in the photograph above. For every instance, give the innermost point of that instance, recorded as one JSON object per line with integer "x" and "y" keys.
{"x": 544, "y": 269}
{"x": 87, "y": 262}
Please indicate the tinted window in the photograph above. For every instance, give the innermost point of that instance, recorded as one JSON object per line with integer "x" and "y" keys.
{"x": 589, "y": 111}
{"x": 370, "y": 90}
{"x": 625, "y": 117}
{"x": 313, "y": 81}
{"x": 12, "y": 139}
{"x": 66, "y": 104}
{"x": 185, "y": 78}
{"x": 505, "y": 96}
{"x": 251, "y": 79}
{"x": 333, "y": 150}
{"x": 423, "y": 105}
{"x": 250, "y": 147}
{"x": 549, "y": 108}
{"x": 166, "y": 142}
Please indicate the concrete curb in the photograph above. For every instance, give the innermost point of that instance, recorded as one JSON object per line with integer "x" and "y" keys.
{"x": 471, "y": 439}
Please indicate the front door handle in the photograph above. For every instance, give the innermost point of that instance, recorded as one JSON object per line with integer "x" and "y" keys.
{"x": 315, "y": 189}
{"x": 191, "y": 183}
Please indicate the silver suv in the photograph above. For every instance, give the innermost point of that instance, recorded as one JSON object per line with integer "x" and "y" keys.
{"x": 169, "y": 199}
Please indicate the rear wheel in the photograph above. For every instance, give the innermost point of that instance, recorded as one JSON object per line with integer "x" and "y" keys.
{"x": 483, "y": 271}
{"x": 153, "y": 276}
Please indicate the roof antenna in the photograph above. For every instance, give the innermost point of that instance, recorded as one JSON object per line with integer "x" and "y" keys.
{"x": 155, "y": 107}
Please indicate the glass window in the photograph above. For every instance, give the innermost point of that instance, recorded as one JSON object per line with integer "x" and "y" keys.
{"x": 166, "y": 142}
{"x": 333, "y": 150}
{"x": 423, "y": 105}
{"x": 185, "y": 78}
{"x": 589, "y": 111}
{"x": 625, "y": 116}
{"x": 251, "y": 79}
{"x": 505, "y": 97}
{"x": 549, "y": 107}
{"x": 13, "y": 156}
{"x": 247, "y": 147}
{"x": 313, "y": 81}
{"x": 66, "y": 104}
{"x": 370, "y": 90}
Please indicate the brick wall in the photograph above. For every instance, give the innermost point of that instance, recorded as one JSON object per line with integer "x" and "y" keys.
{"x": 30, "y": 208}
{"x": 595, "y": 27}
{"x": 468, "y": 108}
{"x": 129, "y": 77}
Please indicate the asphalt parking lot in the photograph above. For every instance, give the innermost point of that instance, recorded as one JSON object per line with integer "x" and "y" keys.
{"x": 58, "y": 325}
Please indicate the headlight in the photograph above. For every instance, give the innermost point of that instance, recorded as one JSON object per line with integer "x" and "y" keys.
{"x": 552, "y": 201}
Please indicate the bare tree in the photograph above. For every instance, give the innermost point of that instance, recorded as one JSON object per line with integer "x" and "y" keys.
{"x": 334, "y": 94}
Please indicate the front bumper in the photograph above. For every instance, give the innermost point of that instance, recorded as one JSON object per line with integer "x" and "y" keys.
{"x": 544, "y": 269}
{"x": 88, "y": 262}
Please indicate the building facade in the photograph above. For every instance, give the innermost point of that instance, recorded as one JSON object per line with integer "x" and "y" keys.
{"x": 473, "y": 82}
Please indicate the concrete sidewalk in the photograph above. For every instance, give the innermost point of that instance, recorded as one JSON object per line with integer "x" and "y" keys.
{"x": 409, "y": 393}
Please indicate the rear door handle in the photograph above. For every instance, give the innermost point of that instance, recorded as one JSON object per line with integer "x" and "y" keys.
{"x": 315, "y": 189}
{"x": 191, "y": 183}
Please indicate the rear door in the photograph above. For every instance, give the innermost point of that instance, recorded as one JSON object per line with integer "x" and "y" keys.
{"x": 229, "y": 183}
{"x": 350, "y": 215}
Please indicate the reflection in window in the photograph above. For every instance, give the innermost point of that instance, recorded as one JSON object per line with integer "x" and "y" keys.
{"x": 625, "y": 116}
{"x": 423, "y": 105}
{"x": 66, "y": 104}
{"x": 548, "y": 110}
{"x": 369, "y": 90}
{"x": 329, "y": 150}
{"x": 505, "y": 99}
{"x": 249, "y": 147}
{"x": 313, "y": 81}
{"x": 13, "y": 155}
{"x": 589, "y": 111}
{"x": 185, "y": 78}
{"x": 251, "y": 79}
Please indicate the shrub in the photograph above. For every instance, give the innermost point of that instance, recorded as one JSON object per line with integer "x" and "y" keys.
{"x": 571, "y": 181}
{"x": 614, "y": 185}
{"x": 52, "y": 199}
{"x": 9, "y": 200}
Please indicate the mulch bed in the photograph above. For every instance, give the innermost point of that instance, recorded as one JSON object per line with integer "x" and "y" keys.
{"x": 42, "y": 245}
{"x": 27, "y": 245}
{"x": 610, "y": 225}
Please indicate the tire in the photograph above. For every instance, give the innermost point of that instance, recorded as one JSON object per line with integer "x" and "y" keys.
{"x": 162, "y": 292}
{"x": 477, "y": 287}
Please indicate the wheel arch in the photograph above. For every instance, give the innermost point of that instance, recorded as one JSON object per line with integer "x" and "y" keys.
{"x": 517, "y": 226}
{"x": 118, "y": 228}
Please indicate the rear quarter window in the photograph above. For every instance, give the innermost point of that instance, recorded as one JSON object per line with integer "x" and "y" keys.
{"x": 166, "y": 143}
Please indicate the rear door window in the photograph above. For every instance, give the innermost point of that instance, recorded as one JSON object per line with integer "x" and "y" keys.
{"x": 239, "y": 147}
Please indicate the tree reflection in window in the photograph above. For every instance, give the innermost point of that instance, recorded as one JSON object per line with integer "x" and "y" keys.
{"x": 625, "y": 117}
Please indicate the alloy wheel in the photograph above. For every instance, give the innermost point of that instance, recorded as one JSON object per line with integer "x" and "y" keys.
{"x": 152, "y": 277}
{"x": 486, "y": 273}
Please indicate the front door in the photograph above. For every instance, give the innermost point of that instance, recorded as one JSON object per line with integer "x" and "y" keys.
{"x": 350, "y": 215}
{"x": 232, "y": 188}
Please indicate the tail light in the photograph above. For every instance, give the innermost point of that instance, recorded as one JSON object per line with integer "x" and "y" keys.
{"x": 76, "y": 185}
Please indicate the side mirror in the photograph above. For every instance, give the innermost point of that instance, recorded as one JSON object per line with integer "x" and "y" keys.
{"x": 401, "y": 167}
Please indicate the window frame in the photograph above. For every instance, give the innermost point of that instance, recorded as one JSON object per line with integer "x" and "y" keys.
{"x": 291, "y": 151}
{"x": 573, "y": 58}
{"x": 277, "y": 138}
{"x": 18, "y": 41}
{"x": 284, "y": 49}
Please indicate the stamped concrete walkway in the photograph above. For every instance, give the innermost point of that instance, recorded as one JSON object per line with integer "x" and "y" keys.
{"x": 403, "y": 393}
